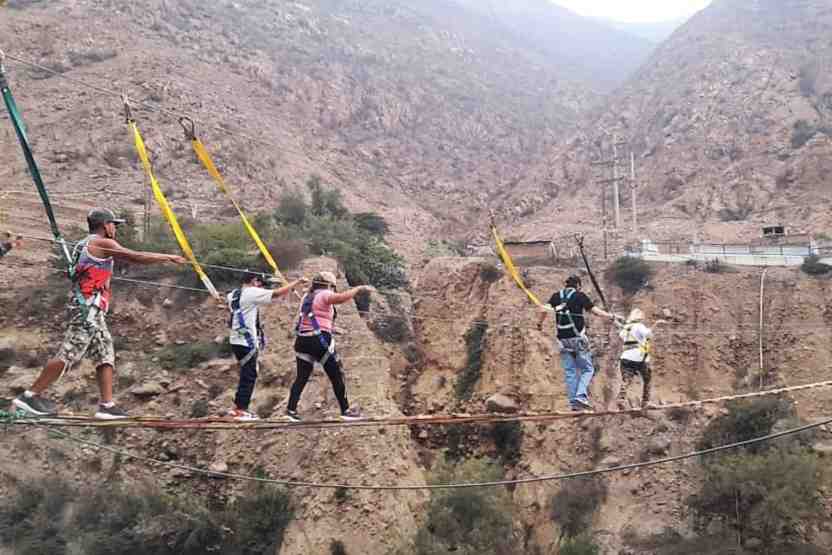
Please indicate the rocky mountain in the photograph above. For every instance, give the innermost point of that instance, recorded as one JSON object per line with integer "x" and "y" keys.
{"x": 586, "y": 50}
{"x": 419, "y": 111}
{"x": 730, "y": 124}
{"x": 655, "y": 32}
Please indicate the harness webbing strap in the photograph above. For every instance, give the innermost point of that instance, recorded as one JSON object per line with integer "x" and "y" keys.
{"x": 511, "y": 268}
{"x": 20, "y": 131}
{"x": 632, "y": 342}
{"x": 237, "y": 315}
{"x": 306, "y": 310}
{"x": 565, "y": 296}
{"x": 205, "y": 158}
{"x": 168, "y": 213}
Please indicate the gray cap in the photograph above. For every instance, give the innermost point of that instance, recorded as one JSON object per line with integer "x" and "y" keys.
{"x": 101, "y": 216}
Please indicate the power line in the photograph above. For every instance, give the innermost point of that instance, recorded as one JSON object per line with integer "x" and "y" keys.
{"x": 679, "y": 331}
{"x": 409, "y": 487}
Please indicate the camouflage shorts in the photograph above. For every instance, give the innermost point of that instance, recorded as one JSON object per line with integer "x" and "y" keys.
{"x": 87, "y": 336}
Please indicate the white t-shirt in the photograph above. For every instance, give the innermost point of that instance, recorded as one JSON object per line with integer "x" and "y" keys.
{"x": 250, "y": 299}
{"x": 635, "y": 332}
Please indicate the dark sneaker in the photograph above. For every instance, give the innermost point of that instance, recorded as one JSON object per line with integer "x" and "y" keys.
{"x": 583, "y": 403}
{"x": 36, "y": 405}
{"x": 352, "y": 413}
{"x": 110, "y": 413}
{"x": 293, "y": 416}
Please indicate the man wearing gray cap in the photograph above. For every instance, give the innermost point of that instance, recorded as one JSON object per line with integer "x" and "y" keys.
{"x": 87, "y": 333}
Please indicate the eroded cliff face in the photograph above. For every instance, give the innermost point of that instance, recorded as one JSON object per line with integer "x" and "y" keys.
{"x": 710, "y": 348}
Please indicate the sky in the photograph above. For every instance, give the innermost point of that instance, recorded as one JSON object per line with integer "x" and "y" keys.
{"x": 635, "y": 11}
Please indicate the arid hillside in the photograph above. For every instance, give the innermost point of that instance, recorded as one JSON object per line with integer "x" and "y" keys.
{"x": 729, "y": 121}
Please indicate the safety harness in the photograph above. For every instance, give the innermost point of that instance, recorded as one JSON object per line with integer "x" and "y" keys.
{"x": 238, "y": 317}
{"x": 563, "y": 316}
{"x": 630, "y": 342}
{"x": 74, "y": 274}
{"x": 306, "y": 310}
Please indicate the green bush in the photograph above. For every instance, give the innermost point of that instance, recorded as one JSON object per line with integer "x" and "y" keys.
{"x": 489, "y": 273}
{"x": 508, "y": 439}
{"x": 455, "y": 437}
{"x": 356, "y": 241}
{"x": 291, "y": 209}
{"x": 394, "y": 327}
{"x": 770, "y": 491}
{"x": 372, "y": 223}
{"x": 814, "y": 267}
{"x": 185, "y": 357}
{"x": 391, "y": 329}
{"x": 629, "y": 273}
{"x": 474, "y": 345}
{"x": 574, "y": 505}
{"x": 337, "y": 547}
{"x": 579, "y": 546}
{"x": 773, "y": 496}
{"x": 341, "y": 495}
{"x": 57, "y": 518}
{"x": 470, "y": 520}
{"x": 745, "y": 420}
{"x": 802, "y": 133}
{"x": 325, "y": 202}
{"x": 218, "y": 244}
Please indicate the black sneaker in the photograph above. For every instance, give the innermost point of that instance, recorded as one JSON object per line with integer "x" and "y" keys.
{"x": 36, "y": 405}
{"x": 583, "y": 403}
{"x": 110, "y": 413}
{"x": 293, "y": 416}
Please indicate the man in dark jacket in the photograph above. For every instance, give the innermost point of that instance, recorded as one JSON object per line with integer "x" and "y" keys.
{"x": 569, "y": 305}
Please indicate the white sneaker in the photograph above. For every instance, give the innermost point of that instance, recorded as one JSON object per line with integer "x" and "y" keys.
{"x": 242, "y": 415}
{"x": 352, "y": 413}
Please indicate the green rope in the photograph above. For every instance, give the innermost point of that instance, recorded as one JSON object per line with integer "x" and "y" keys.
{"x": 7, "y": 417}
{"x": 20, "y": 130}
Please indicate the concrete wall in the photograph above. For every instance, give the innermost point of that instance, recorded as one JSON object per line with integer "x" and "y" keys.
{"x": 733, "y": 259}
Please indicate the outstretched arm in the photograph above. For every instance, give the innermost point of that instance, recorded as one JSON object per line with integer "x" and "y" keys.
{"x": 286, "y": 289}
{"x": 600, "y": 312}
{"x": 103, "y": 248}
{"x": 340, "y": 298}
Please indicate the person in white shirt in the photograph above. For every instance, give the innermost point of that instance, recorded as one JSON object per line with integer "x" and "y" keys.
{"x": 247, "y": 337}
{"x": 635, "y": 360}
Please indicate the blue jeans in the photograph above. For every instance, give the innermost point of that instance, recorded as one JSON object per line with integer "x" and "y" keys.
{"x": 576, "y": 360}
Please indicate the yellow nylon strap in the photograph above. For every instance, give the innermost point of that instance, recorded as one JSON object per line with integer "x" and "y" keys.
{"x": 205, "y": 158}
{"x": 168, "y": 213}
{"x": 511, "y": 268}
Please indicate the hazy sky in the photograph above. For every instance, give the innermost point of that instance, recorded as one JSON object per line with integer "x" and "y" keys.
{"x": 635, "y": 10}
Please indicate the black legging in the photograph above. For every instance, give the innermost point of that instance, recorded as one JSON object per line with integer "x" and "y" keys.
{"x": 248, "y": 376}
{"x": 312, "y": 347}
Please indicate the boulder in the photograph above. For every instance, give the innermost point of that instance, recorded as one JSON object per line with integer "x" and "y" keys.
{"x": 501, "y": 403}
{"x": 147, "y": 389}
{"x": 658, "y": 446}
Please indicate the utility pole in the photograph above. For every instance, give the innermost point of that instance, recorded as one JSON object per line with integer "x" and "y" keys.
{"x": 633, "y": 188}
{"x": 616, "y": 196}
{"x": 616, "y": 201}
